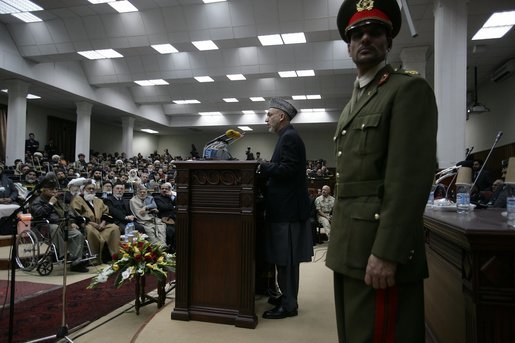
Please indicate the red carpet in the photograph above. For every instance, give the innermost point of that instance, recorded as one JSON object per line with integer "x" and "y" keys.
{"x": 41, "y": 315}
{"x": 23, "y": 289}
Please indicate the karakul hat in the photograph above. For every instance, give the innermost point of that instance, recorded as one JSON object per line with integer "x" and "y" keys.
{"x": 284, "y": 106}
{"x": 356, "y": 13}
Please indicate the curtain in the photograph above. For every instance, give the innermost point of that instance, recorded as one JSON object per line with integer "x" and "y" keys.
{"x": 63, "y": 133}
{"x": 3, "y": 131}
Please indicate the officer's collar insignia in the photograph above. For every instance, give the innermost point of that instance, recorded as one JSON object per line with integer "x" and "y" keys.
{"x": 363, "y": 5}
{"x": 383, "y": 79}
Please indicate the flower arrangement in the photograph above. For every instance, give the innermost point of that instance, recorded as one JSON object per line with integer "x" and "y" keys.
{"x": 136, "y": 258}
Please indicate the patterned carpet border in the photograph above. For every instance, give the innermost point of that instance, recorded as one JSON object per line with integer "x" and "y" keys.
{"x": 41, "y": 315}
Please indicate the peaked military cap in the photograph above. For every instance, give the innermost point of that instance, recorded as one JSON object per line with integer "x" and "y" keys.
{"x": 284, "y": 106}
{"x": 356, "y": 13}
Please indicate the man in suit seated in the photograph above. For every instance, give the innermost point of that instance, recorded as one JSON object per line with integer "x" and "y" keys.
{"x": 167, "y": 206}
{"x": 120, "y": 210}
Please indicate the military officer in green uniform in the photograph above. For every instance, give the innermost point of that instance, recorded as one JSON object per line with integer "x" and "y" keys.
{"x": 386, "y": 154}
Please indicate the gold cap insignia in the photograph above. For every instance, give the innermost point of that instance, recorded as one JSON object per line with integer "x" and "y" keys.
{"x": 363, "y": 5}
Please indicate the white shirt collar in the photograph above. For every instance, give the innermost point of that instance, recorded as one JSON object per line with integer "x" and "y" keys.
{"x": 365, "y": 79}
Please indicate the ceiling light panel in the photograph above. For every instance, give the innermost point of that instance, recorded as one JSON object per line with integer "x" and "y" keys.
{"x": 236, "y": 77}
{"x": 294, "y": 38}
{"x": 123, "y": 6}
{"x": 100, "y": 54}
{"x": 245, "y": 128}
{"x": 304, "y": 73}
{"x": 210, "y": 113}
{"x": 100, "y": 1}
{"x": 157, "y": 82}
{"x": 186, "y": 102}
{"x": 23, "y": 5}
{"x": 211, "y": 1}
{"x": 314, "y": 97}
{"x": 165, "y": 48}
{"x": 230, "y": 100}
{"x": 204, "y": 79}
{"x": 298, "y": 97}
{"x": 490, "y": 32}
{"x": 248, "y": 112}
{"x": 257, "y": 98}
{"x": 6, "y": 9}
{"x": 149, "y": 131}
{"x": 270, "y": 40}
{"x": 501, "y": 19}
{"x": 109, "y": 53}
{"x": 27, "y": 17}
{"x": 205, "y": 45}
{"x": 290, "y": 73}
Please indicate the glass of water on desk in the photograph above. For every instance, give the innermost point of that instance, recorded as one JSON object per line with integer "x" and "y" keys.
{"x": 463, "y": 198}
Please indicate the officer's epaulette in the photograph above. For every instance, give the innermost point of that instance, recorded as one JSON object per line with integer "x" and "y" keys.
{"x": 407, "y": 72}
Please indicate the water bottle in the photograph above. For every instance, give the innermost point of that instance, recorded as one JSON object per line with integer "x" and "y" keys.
{"x": 431, "y": 199}
{"x": 129, "y": 232}
{"x": 510, "y": 209}
{"x": 463, "y": 198}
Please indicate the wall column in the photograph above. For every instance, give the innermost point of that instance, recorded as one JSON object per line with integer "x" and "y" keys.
{"x": 83, "y": 134}
{"x": 127, "y": 135}
{"x": 451, "y": 79}
{"x": 16, "y": 121}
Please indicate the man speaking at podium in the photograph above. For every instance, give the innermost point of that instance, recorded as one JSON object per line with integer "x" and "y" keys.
{"x": 385, "y": 159}
{"x": 288, "y": 239}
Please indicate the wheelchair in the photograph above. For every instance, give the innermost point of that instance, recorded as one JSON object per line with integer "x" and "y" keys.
{"x": 36, "y": 250}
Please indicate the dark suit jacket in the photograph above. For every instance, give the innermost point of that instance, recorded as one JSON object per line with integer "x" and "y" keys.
{"x": 287, "y": 197}
{"x": 288, "y": 230}
{"x": 166, "y": 206}
{"x": 118, "y": 209}
{"x": 386, "y": 156}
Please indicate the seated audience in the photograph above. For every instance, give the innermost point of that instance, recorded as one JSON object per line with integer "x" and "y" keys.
{"x": 145, "y": 210}
{"x": 30, "y": 181}
{"x": 98, "y": 231}
{"x": 324, "y": 205}
{"x": 120, "y": 210}
{"x": 167, "y": 206}
{"x": 8, "y": 191}
{"x": 48, "y": 206}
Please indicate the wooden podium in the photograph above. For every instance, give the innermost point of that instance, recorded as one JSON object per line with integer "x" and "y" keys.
{"x": 216, "y": 234}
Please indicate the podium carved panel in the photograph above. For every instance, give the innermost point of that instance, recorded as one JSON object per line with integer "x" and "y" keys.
{"x": 216, "y": 234}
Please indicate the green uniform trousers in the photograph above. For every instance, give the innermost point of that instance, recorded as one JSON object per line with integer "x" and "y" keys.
{"x": 366, "y": 315}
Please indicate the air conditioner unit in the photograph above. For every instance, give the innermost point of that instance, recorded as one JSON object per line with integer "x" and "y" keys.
{"x": 504, "y": 71}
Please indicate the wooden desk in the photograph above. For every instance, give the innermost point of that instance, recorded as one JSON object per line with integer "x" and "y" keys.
{"x": 470, "y": 292}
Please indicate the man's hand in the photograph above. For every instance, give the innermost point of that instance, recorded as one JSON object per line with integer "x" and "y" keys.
{"x": 380, "y": 273}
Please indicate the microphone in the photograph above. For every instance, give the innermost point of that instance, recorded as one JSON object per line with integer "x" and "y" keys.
{"x": 499, "y": 135}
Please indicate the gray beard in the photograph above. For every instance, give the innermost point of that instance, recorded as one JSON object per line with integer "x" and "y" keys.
{"x": 89, "y": 197}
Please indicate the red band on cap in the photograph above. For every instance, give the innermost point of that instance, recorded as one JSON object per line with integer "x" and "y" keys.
{"x": 374, "y": 13}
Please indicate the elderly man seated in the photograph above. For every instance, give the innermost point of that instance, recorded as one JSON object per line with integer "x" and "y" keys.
{"x": 8, "y": 191}
{"x": 98, "y": 231}
{"x": 145, "y": 210}
{"x": 48, "y": 206}
{"x": 324, "y": 205}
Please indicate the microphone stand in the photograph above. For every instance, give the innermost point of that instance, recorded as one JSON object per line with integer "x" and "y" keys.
{"x": 11, "y": 221}
{"x": 497, "y": 138}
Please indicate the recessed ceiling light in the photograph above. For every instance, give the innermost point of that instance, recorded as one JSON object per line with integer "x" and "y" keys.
{"x": 270, "y": 40}
{"x": 257, "y": 98}
{"x": 158, "y": 82}
{"x": 319, "y": 110}
{"x": 302, "y": 73}
{"x": 27, "y": 17}
{"x": 248, "y": 112}
{"x": 6, "y": 9}
{"x": 290, "y": 73}
{"x": 186, "y": 102}
{"x": 314, "y": 97}
{"x": 205, "y": 45}
{"x": 20, "y": 6}
{"x": 123, "y": 6}
{"x": 294, "y": 38}
{"x": 99, "y": 54}
{"x": 165, "y": 48}
{"x": 496, "y": 26}
{"x": 298, "y": 97}
{"x": 149, "y": 131}
{"x": 210, "y": 113}
{"x": 231, "y": 100}
{"x": 100, "y": 1}
{"x": 210, "y": 1}
{"x": 204, "y": 79}
{"x": 245, "y": 128}
{"x": 236, "y": 77}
